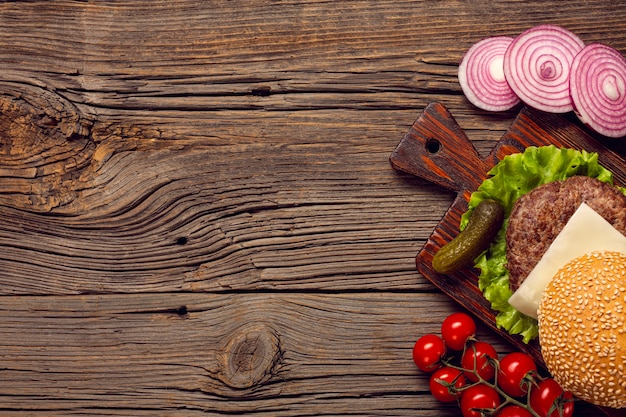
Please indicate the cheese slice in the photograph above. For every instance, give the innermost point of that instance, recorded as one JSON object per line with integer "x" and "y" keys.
{"x": 586, "y": 231}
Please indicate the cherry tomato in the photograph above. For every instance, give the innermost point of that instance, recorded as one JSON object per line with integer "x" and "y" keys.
{"x": 476, "y": 358}
{"x": 514, "y": 368}
{"x": 428, "y": 352}
{"x": 443, "y": 383}
{"x": 478, "y": 397}
{"x": 514, "y": 411}
{"x": 456, "y": 329}
{"x": 548, "y": 395}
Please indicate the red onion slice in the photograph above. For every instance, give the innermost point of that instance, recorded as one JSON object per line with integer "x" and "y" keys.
{"x": 481, "y": 75}
{"x": 598, "y": 89}
{"x": 537, "y": 66}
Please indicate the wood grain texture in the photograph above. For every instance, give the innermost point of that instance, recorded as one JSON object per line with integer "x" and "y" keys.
{"x": 230, "y": 158}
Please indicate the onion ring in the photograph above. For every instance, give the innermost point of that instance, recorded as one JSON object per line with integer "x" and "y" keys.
{"x": 537, "y": 67}
{"x": 598, "y": 89}
{"x": 481, "y": 75}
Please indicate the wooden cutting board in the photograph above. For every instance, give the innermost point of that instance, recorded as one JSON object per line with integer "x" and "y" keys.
{"x": 436, "y": 149}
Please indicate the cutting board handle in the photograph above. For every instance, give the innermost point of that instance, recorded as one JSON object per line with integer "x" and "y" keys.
{"x": 436, "y": 149}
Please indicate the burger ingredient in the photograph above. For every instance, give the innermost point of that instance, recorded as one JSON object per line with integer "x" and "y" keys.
{"x": 540, "y": 215}
{"x": 515, "y": 373}
{"x": 478, "y": 398}
{"x": 598, "y": 89}
{"x": 481, "y": 75}
{"x": 484, "y": 223}
{"x": 585, "y": 232}
{"x": 478, "y": 360}
{"x": 514, "y": 176}
{"x": 537, "y": 67}
{"x": 582, "y": 327}
{"x": 445, "y": 384}
{"x": 548, "y": 399}
{"x": 549, "y": 68}
{"x": 428, "y": 352}
{"x": 457, "y": 329}
{"x": 490, "y": 396}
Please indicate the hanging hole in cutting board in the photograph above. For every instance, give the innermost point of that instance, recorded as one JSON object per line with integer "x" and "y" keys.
{"x": 433, "y": 145}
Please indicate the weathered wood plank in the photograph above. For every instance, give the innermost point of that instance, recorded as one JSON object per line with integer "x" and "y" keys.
{"x": 262, "y": 232}
{"x": 272, "y": 56}
{"x": 262, "y": 354}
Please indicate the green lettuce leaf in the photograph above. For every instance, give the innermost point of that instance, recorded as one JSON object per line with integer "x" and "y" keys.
{"x": 512, "y": 177}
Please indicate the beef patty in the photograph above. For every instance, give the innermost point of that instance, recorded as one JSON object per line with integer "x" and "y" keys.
{"x": 538, "y": 216}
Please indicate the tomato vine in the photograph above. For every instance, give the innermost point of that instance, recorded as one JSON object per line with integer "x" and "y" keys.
{"x": 468, "y": 371}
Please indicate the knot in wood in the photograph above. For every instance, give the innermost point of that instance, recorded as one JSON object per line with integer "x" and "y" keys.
{"x": 45, "y": 144}
{"x": 250, "y": 357}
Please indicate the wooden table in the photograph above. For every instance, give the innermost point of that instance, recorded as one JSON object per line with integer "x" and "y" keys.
{"x": 198, "y": 214}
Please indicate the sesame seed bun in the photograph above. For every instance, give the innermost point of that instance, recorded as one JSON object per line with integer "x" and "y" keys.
{"x": 582, "y": 328}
